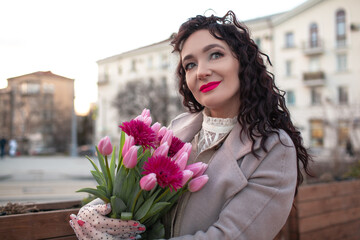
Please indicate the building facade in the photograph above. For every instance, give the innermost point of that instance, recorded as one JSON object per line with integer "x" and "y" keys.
{"x": 37, "y": 110}
{"x": 153, "y": 65}
{"x": 314, "y": 49}
{"x": 315, "y": 53}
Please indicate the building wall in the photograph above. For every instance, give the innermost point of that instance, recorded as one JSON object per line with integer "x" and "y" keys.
{"x": 300, "y": 70}
{"x": 154, "y": 62}
{"x": 305, "y": 61}
{"x": 41, "y": 109}
{"x": 5, "y": 113}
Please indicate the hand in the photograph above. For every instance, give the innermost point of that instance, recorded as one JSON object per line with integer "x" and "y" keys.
{"x": 92, "y": 223}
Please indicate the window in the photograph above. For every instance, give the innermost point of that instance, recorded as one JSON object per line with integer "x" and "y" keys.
{"x": 340, "y": 28}
{"x": 315, "y": 96}
{"x": 288, "y": 68}
{"x": 258, "y": 42}
{"x": 314, "y": 38}
{"x": 289, "y": 40}
{"x": 343, "y": 95}
{"x": 343, "y": 132}
{"x": 48, "y": 88}
{"x": 119, "y": 69}
{"x": 290, "y": 98}
{"x": 150, "y": 63}
{"x": 30, "y": 88}
{"x": 317, "y": 132}
{"x": 341, "y": 62}
{"x": 314, "y": 64}
{"x": 164, "y": 62}
{"x": 133, "y": 65}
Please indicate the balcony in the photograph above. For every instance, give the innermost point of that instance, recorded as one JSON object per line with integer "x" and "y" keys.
{"x": 313, "y": 48}
{"x": 103, "y": 80}
{"x": 314, "y": 78}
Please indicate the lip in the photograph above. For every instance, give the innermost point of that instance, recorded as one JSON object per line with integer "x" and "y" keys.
{"x": 209, "y": 86}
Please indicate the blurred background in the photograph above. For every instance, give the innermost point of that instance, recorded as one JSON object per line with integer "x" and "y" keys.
{"x": 71, "y": 71}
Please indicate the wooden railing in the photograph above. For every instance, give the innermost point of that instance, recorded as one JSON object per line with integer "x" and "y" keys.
{"x": 51, "y": 222}
{"x": 326, "y": 211}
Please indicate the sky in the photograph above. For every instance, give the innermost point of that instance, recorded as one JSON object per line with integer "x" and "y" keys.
{"x": 67, "y": 37}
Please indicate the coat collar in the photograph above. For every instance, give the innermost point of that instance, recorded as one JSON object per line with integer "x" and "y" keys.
{"x": 187, "y": 125}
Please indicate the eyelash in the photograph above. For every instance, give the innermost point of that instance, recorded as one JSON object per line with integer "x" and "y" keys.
{"x": 219, "y": 55}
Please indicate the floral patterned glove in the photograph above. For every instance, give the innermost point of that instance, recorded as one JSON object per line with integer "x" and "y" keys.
{"x": 92, "y": 223}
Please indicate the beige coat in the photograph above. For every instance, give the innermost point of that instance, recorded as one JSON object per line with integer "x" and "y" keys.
{"x": 245, "y": 197}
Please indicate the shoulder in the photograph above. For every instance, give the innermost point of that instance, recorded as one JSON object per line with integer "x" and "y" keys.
{"x": 180, "y": 117}
{"x": 185, "y": 119}
{"x": 186, "y": 125}
{"x": 280, "y": 136}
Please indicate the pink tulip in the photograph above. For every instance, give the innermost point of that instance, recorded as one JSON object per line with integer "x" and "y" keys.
{"x": 186, "y": 148}
{"x": 130, "y": 158}
{"x": 187, "y": 174}
{"x": 148, "y": 182}
{"x": 167, "y": 138}
{"x": 148, "y": 121}
{"x": 139, "y": 118}
{"x": 156, "y": 127}
{"x": 197, "y": 168}
{"x": 197, "y": 183}
{"x": 162, "y": 131}
{"x": 104, "y": 146}
{"x": 145, "y": 113}
{"x": 129, "y": 142}
{"x": 182, "y": 161}
{"x": 162, "y": 150}
{"x": 145, "y": 117}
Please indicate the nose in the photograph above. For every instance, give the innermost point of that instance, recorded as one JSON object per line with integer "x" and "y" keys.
{"x": 203, "y": 71}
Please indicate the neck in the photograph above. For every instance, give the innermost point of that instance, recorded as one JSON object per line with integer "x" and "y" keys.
{"x": 221, "y": 113}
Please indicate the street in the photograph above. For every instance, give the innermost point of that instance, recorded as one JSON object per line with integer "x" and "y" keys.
{"x": 30, "y": 179}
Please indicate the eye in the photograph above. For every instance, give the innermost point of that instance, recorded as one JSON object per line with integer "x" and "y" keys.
{"x": 189, "y": 66}
{"x": 216, "y": 55}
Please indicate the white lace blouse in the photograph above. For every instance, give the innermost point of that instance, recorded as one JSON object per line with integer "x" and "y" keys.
{"x": 213, "y": 130}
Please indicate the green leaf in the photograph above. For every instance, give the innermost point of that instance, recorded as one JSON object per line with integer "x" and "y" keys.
{"x": 112, "y": 164}
{"x": 155, "y": 209}
{"x": 96, "y": 168}
{"x": 102, "y": 165}
{"x": 119, "y": 181}
{"x": 142, "y": 160}
{"x": 156, "y": 231}
{"x": 117, "y": 206}
{"x": 103, "y": 189}
{"x": 98, "y": 177}
{"x": 122, "y": 142}
{"x": 129, "y": 185}
{"x": 126, "y": 216}
{"x": 143, "y": 210}
{"x": 95, "y": 192}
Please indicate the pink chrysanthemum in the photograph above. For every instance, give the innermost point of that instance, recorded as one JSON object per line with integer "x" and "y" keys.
{"x": 168, "y": 173}
{"x": 176, "y": 145}
{"x": 142, "y": 133}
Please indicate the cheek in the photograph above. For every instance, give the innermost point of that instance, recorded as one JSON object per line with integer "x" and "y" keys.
{"x": 190, "y": 83}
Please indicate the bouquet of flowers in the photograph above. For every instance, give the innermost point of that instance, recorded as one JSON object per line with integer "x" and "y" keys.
{"x": 145, "y": 178}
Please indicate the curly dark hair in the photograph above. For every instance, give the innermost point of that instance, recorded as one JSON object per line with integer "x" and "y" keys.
{"x": 262, "y": 104}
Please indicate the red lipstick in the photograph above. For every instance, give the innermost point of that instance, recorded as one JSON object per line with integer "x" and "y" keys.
{"x": 209, "y": 86}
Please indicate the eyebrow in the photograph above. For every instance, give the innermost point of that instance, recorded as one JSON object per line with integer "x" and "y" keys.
{"x": 205, "y": 49}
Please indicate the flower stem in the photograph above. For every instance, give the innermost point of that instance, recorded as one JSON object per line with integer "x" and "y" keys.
{"x": 162, "y": 195}
{"x": 108, "y": 171}
{"x": 136, "y": 198}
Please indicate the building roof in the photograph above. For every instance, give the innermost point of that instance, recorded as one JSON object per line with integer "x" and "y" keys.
{"x": 296, "y": 11}
{"x": 40, "y": 74}
{"x": 133, "y": 51}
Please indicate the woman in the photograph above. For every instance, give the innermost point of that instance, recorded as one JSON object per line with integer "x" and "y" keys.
{"x": 238, "y": 123}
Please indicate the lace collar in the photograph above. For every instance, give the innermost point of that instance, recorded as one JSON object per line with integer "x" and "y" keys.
{"x": 213, "y": 130}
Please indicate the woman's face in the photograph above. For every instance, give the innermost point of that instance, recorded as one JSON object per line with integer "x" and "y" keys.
{"x": 211, "y": 72}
